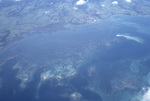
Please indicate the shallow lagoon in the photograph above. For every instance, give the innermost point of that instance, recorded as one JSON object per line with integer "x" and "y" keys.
{"x": 108, "y": 67}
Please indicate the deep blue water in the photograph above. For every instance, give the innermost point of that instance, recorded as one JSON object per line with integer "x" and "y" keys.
{"x": 111, "y": 59}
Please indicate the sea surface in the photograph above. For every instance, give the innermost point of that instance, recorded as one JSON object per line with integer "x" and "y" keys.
{"x": 115, "y": 67}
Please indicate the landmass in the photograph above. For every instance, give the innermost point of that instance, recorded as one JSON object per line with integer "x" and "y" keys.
{"x": 25, "y": 17}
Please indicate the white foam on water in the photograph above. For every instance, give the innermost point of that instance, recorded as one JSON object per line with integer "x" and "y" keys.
{"x": 137, "y": 39}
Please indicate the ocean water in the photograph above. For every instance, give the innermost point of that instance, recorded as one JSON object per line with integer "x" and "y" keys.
{"x": 111, "y": 60}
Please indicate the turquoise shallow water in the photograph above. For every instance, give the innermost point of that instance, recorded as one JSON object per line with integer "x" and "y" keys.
{"x": 110, "y": 59}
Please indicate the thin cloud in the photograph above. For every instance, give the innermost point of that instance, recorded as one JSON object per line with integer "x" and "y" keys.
{"x": 128, "y": 1}
{"x": 81, "y": 2}
{"x": 137, "y": 39}
{"x": 146, "y": 96}
{"x": 115, "y": 2}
